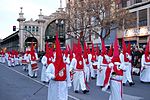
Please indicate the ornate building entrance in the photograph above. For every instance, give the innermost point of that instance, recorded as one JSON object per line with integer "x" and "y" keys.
{"x": 56, "y": 26}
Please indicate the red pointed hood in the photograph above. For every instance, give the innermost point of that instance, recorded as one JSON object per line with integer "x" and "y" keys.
{"x": 110, "y": 53}
{"x": 97, "y": 50}
{"x": 93, "y": 53}
{"x": 32, "y": 52}
{"x": 74, "y": 48}
{"x": 79, "y": 48}
{"x": 88, "y": 50}
{"x": 47, "y": 47}
{"x": 124, "y": 49}
{"x": 13, "y": 52}
{"x": 49, "y": 51}
{"x": 116, "y": 51}
{"x": 66, "y": 52}
{"x": 85, "y": 51}
{"x": 60, "y": 66}
{"x": 58, "y": 49}
{"x": 147, "y": 49}
{"x": 32, "y": 47}
{"x": 103, "y": 47}
{"x": 129, "y": 49}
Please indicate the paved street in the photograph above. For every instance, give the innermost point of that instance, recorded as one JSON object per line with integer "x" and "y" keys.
{"x": 16, "y": 85}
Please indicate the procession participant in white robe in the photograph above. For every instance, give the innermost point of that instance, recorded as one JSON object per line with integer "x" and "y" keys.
{"x": 110, "y": 52}
{"x": 72, "y": 64}
{"x": 6, "y": 56}
{"x": 86, "y": 63}
{"x": 58, "y": 76}
{"x": 33, "y": 66}
{"x": 102, "y": 66}
{"x": 20, "y": 59}
{"x": 65, "y": 54}
{"x": 79, "y": 74}
{"x": 46, "y": 60}
{"x": 67, "y": 62}
{"x": 127, "y": 74}
{"x": 98, "y": 77}
{"x": 16, "y": 58}
{"x": 3, "y": 56}
{"x": 0, "y": 56}
{"x": 92, "y": 60}
{"x": 9, "y": 59}
{"x": 25, "y": 60}
{"x": 12, "y": 58}
{"x": 125, "y": 60}
{"x": 116, "y": 75}
{"x": 145, "y": 65}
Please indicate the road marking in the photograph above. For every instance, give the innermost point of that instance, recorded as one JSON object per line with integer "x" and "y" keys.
{"x": 129, "y": 97}
{"x": 34, "y": 80}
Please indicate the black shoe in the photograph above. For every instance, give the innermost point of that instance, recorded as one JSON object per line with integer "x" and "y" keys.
{"x": 124, "y": 84}
{"x": 108, "y": 87}
{"x": 87, "y": 90}
{"x": 45, "y": 82}
{"x": 101, "y": 87}
{"x": 93, "y": 78}
{"x": 32, "y": 76}
{"x": 131, "y": 83}
{"x": 84, "y": 92}
{"x": 76, "y": 91}
{"x": 35, "y": 76}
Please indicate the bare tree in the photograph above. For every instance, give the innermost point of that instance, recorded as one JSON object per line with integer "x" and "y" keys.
{"x": 88, "y": 17}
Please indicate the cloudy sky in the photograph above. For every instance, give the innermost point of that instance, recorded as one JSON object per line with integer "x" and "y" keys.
{"x": 9, "y": 12}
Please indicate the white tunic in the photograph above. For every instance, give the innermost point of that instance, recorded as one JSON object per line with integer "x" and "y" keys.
{"x": 43, "y": 72}
{"x": 99, "y": 75}
{"x": 128, "y": 66}
{"x": 116, "y": 88}
{"x": 145, "y": 70}
{"x": 78, "y": 77}
{"x": 102, "y": 71}
{"x": 86, "y": 70}
{"x": 91, "y": 65}
{"x": 57, "y": 90}
{"x": 116, "y": 85}
{"x": 30, "y": 71}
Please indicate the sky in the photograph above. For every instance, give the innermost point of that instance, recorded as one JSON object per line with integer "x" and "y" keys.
{"x": 9, "y": 12}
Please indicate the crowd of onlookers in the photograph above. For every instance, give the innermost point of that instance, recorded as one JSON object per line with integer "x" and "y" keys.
{"x": 136, "y": 54}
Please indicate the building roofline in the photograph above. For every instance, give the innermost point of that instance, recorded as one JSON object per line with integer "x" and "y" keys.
{"x": 138, "y": 5}
{"x": 10, "y": 36}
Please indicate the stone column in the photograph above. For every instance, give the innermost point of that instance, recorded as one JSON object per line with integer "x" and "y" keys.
{"x": 41, "y": 21}
{"x": 148, "y": 16}
{"x": 21, "y": 20}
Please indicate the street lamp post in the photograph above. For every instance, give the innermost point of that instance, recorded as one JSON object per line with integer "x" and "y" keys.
{"x": 59, "y": 26}
{"x": 56, "y": 22}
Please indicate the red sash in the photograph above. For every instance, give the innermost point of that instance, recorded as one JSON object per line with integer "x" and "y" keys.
{"x": 24, "y": 62}
{"x": 95, "y": 66}
{"x": 34, "y": 66}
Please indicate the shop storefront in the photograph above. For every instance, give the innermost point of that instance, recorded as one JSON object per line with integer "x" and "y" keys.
{"x": 138, "y": 37}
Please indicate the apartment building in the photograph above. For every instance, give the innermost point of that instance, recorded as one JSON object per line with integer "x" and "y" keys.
{"x": 137, "y": 32}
